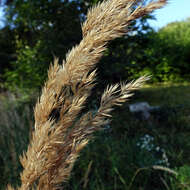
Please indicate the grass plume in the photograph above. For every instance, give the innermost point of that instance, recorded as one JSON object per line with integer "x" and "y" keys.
{"x": 57, "y": 140}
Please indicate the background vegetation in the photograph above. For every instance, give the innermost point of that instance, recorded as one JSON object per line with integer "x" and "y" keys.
{"x": 35, "y": 32}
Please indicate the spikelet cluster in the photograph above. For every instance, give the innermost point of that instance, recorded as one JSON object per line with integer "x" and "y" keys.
{"x": 59, "y": 133}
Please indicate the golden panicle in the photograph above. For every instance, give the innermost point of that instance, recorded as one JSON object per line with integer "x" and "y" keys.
{"x": 59, "y": 134}
{"x": 114, "y": 95}
{"x": 106, "y": 21}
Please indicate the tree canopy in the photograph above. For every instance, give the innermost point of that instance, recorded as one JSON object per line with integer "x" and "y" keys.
{"x": 169, "y": 52}
{"x": 47, "y": 29}
{"x": 36, "y": 32}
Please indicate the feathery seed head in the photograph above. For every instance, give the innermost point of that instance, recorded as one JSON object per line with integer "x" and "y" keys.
{"x": 59, "y": 133}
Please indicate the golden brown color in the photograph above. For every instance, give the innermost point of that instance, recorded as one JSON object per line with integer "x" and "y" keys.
{"x": 57, "y": 141}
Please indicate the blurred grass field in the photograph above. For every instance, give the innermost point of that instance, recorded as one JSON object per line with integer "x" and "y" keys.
{"x": 168, "y": 94}
{"x": 121, "y": 156}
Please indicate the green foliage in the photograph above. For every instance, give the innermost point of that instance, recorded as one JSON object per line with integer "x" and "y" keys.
{"x": 163, "y": 54}
{"x": 43, "y": 30}
{"x": 116, "y": 168}
{"x": 47, "y": 29}
{"x": 182, "y": 180}
{"x": 168, "y": 53}
{"x": 7, "y": 50}
{"x": 29, "y": 70}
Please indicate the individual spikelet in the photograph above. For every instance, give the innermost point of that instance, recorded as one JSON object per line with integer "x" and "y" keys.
{"x": 57, "y": 140}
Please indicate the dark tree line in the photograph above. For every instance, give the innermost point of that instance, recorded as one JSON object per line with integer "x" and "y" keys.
{"x": 36, "y": 31}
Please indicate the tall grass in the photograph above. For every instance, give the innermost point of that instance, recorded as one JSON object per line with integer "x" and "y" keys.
{"x": 16, "y": 123}
{"x": 61, "y": 129}
{"x": 124, "y": 156}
